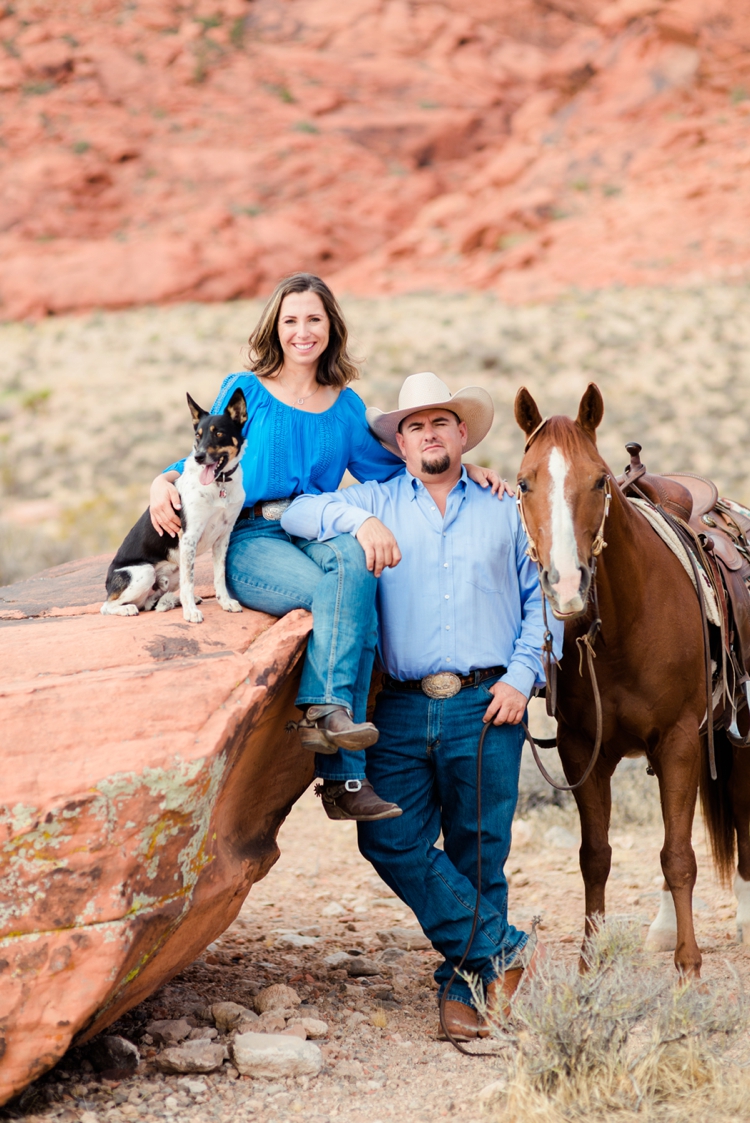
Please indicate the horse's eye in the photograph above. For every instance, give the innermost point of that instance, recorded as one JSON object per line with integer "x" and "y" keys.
{"x": 599, "y": 485}
{"x": 523, "y": 486}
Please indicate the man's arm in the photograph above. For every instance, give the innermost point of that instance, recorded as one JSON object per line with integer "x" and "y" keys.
{"x": 525, "y": 670}
{"x": 324, "y": 516}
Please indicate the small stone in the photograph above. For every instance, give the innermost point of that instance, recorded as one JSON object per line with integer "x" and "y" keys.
{"x": 194, "y": 1087}
{"x": 522, "y": 832}
{"x": 392, "y": 955}
{"x": 248, "y": 1023}
{"x": 408, "y": 939}
{"x": 313, "y": 930}
{"x": 333, "y": 909}
{"x": 169, "y": 1032}
{"x": 277, "y": 997}
{"x": 203, "y": 1033}
{"x": 191, "y": 1056}
{"x": 231, "y": 1072}
{"x": 295, "y": 1031}
{"x": 273, "y": 1021}
{"x": 359, "y": 966}
{"x": 350, "y": 1070}
{"x": 491, "y": 1093}
{"x": 274, "y": 1056}
{"x": 226, "y": 1015}
{"x": 313, "y": 1027}
{"x": 561, "y": 838}
{"x": 292, "y": 941}
{"x": 337, "y": 959}
{"x": 115, "y": 1057}
{"x": 89, "y": 1117}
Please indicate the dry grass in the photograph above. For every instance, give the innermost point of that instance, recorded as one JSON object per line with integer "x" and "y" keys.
{"x": 621, "y": 1040}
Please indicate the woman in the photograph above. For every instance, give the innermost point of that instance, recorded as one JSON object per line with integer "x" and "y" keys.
{"x": 305, "y": 428}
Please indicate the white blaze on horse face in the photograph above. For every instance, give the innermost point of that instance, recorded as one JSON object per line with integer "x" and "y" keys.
{"x": 563, "y": 549}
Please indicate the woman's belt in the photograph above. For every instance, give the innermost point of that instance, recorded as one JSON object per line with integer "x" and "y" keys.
{"x": 271, "y": 509}
{"x": 444, "y": 684}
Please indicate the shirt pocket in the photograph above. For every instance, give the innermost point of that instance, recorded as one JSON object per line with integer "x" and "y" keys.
{"x": 490, "y": 573}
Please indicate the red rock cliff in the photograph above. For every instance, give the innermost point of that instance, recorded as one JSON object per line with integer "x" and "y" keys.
{"x": 162, "y": 151}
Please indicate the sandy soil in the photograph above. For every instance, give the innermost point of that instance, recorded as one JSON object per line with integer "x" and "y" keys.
{"x": 92, "y": 407}
{"x": 381, "y": 1057}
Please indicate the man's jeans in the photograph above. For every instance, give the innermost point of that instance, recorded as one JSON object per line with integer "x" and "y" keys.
{"x": 271, "y": 572}
{"x": 425, "y": 761}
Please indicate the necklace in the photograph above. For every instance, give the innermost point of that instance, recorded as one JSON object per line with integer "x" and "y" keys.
{"x": 300, "y": 401}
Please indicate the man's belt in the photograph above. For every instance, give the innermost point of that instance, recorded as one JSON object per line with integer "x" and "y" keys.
{"x": 270, "y": 509}
{"x": 444, "y": 684}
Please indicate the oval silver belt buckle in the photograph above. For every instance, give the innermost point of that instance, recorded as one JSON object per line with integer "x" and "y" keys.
{"x": 444, "y": 684}
{"x": 274, "y": 509}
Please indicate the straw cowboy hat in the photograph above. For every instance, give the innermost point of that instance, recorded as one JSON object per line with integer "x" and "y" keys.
{"x": 425, "y": 391}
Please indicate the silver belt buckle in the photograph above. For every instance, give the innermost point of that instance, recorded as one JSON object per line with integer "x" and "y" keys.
{"x": 274, "y": 509}
{"x": 442, "y": 685}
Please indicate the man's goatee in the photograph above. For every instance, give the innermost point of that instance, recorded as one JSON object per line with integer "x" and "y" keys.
{"x": 436, "y": 467}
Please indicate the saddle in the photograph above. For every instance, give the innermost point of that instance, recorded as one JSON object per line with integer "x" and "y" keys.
{"x": 720, "y": 534}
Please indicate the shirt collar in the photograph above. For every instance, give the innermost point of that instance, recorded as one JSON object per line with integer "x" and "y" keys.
{"x": 417, "y": 485}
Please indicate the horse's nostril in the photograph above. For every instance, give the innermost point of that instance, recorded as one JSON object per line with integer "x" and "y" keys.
{"x": 552, "y": 575}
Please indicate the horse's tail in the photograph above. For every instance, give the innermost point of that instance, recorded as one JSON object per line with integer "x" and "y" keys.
{"x": 716, "y": 805}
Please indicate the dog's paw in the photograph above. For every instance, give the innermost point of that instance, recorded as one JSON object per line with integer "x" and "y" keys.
{"x": 230, "y": 605}
{"x": 199, "y": 600}
{"x": 169, "y": 600}
{"x": 109, "y": 609}
{"x": 192, "y": 615}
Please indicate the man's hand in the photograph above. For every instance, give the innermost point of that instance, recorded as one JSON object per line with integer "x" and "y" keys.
{"x": 164, "y": 504}
{"x": 507, "y": 706}
{"x": 381, "y": 548}
{"x": 488, "y": 477}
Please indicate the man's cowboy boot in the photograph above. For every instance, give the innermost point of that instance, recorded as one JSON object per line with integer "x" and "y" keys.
{"x": 355, "y": 799}
{"x": 460, "y": 1020}
{"x": 326, "y": 729}
{"x": 500, "y": 992}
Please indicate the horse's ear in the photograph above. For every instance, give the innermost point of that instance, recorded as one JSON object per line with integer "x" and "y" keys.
{"x": 527, "y": 412}
{"x": 591, "y": 410}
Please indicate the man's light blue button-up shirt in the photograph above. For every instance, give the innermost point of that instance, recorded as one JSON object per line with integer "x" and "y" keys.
{"x": 464, "y": 597}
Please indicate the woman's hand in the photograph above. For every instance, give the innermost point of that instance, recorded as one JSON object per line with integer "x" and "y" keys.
{"x": 164, "y": 504}
{"x": 488, "y": 477}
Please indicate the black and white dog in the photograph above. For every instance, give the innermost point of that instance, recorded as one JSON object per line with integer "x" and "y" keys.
{"x": 148, "y": 569}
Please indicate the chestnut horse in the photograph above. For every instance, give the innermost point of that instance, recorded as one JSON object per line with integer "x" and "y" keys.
{"x": 649, "y": 665}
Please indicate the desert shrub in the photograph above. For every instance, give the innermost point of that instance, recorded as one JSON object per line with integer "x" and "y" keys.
{"x": 622, "y": 1038}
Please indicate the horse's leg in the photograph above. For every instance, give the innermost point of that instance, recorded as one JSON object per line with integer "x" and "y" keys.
{"x": 594, "y": 801}
{"x": 662, "y": 934}
{"x": 677, "y": 766}
{"x": 740, "y": 795}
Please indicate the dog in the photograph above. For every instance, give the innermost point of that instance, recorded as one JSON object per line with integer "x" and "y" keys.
{"x": 148, "y": 569}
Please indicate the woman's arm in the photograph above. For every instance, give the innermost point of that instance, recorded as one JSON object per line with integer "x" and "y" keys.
{"x": 164, "y": 503}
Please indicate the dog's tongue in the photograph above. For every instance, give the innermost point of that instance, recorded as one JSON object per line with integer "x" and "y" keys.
{"x": 208, "y": 471}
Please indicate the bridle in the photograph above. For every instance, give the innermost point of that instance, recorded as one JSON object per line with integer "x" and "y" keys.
{"x": 585, "y": 642}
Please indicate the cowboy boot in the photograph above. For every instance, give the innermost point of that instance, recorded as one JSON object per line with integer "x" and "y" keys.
{"x": 460, "y": 1021}
{"x": 355, "y": 800}
{"x": 328, "y": 728}
{"x": 501, "y": 991}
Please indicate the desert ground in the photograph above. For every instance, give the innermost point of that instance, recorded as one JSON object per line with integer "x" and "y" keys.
{"x": 92, "y": 407}
{"x": 381, "y": 1058}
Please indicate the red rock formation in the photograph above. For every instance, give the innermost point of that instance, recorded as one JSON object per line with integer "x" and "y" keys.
{"x": 196, "y": 150}
{"x": 146, "y": 772}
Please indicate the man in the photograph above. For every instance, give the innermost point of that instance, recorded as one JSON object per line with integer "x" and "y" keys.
{"x": 461, "y": 633}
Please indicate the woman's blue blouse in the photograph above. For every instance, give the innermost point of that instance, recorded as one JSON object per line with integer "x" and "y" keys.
{"x": 290, "y": 451}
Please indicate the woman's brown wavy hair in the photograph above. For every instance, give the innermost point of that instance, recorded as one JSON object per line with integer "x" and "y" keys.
{"x": 265, "y": 357}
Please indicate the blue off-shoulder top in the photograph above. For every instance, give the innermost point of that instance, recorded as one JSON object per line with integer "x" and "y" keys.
{"x": 292, "y": 452}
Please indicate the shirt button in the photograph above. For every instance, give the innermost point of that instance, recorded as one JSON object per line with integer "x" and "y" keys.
{"x": 447, "y": 658}
{"x": 445, "y": 565}
{"x": 432, "y": 508}
{"x": 447, "y": 596}
{"x": 447, "y": 627}
{"x": 444, "y": 534}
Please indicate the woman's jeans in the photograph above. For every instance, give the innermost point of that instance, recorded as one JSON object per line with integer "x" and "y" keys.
{"x": 426, "y": 762}
{"x": 271, "y": 572}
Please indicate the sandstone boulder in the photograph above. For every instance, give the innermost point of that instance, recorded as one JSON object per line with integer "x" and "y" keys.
{"x": 146, "y": 773}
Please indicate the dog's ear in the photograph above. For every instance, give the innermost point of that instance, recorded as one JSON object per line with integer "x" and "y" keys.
{"x": 196, "y": 411}
{"x": 527, "y": 412}
{"x": 237, "y": 407}
{"x": 591, "y": 410}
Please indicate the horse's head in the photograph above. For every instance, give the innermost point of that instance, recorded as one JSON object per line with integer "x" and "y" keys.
{"x": 563, "y": 486}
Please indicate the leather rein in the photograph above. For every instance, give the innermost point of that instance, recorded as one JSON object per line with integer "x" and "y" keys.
{"x": 585, "y": 643}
